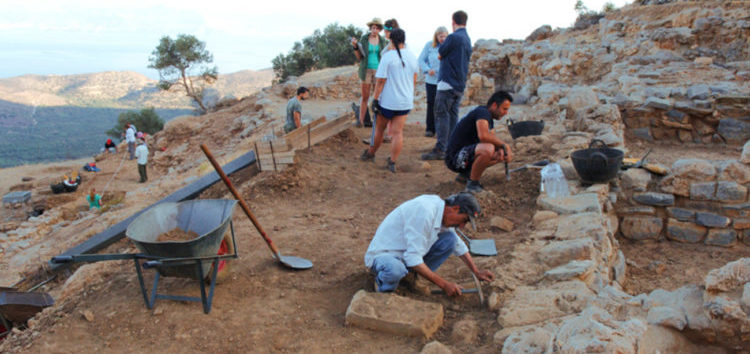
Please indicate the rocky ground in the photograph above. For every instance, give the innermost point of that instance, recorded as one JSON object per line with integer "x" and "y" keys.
{"x": 644, "y": 263}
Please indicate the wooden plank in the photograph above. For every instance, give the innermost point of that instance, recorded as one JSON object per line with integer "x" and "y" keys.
{"x": 302, "y": 131}
{"x": 279, "y": 145}
{"x": 330, "y": 129}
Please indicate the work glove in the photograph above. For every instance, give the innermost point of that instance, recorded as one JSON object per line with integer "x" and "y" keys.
{"x": 376, "y": 107}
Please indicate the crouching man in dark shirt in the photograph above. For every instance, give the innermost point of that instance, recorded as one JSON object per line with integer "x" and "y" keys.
{"x": 473, "y": 147}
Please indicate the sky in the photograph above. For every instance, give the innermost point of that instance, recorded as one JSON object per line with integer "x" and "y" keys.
{"x": 75, "y": 36}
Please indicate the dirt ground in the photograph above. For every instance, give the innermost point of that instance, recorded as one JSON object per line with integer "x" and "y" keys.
{"x": 325, "y": 208}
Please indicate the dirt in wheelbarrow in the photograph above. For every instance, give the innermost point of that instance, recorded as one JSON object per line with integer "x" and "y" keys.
{"x": 324, "y": 208}
{"x": 177, "y": 234}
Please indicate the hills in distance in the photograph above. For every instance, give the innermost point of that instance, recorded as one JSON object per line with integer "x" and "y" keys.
{"x": 54, "y": 117}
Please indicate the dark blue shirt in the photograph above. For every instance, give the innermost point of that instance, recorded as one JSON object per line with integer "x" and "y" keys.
{"x": 455, "y": 53}
{"x": 465, "y": 132}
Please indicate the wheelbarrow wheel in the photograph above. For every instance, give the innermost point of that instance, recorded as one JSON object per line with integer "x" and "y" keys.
{"x": 226, "y": 247}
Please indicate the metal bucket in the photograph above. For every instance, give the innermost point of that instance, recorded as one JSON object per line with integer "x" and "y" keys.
{"x": 525, "y": 128}
{"x": 208, "y": 218}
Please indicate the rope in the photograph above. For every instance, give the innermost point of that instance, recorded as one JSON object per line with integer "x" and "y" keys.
{"x": 115, "y": 174}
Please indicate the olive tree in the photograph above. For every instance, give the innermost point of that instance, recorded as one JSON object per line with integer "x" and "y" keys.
{"x": 147, "y": 121}
{"x": 184, "y": 62}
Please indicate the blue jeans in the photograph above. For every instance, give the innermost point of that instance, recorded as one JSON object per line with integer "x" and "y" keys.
{"x": 446, "y": 116}
{"x": 430, "y": 117}
{"x": 389, "y": 270}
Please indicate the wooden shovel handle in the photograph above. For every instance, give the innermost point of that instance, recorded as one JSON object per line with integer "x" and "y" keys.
{"x": 239, "y": 198}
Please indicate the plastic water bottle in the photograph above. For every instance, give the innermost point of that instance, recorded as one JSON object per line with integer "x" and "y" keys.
{"x": 553, "y": 181}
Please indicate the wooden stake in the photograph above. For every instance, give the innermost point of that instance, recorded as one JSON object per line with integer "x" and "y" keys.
{"x": 273, "y": 158}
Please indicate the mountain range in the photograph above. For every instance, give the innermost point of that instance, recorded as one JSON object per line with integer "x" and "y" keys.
{"x": 53, "y": 117}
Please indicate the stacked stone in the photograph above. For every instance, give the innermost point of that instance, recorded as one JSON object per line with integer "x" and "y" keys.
{"x": 699, "y": 201}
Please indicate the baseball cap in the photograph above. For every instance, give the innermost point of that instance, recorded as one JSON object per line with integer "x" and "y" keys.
{"x": 466, "y": 203}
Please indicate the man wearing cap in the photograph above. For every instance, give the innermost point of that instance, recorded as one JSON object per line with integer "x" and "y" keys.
{"x": 418, "y": 235}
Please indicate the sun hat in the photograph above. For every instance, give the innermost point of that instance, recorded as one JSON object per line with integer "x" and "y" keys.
{"x": 375, "y": 21}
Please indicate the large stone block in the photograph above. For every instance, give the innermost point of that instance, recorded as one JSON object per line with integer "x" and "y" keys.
{"x": 394, "y": 314}
{"x": 637, "y": 210}
{"x": 636, "y": 179}
{"x": 561, "y": 252}
{"x": 734, "y": 130}
{"x": 666, "y": 316}
{"x": 435, "y": 347}
{"x": 737, "y": 210}
{"x": 574, "y": 269}
{"x": 528, "y": 305}
{"x": 685, "y": 172}
{"x": 579, "y": 203}
{"x": 721, "y": 237}
{"x": 530, "y": 340}
{"x": 733, "y": 170}
{"x": 741, "y": 223}
{"x": 729, "y": 277}
{"x": 582, "y": 225}
{"x": 745, "y": 153}
{"x": 658, "y": 103}
{"x": 641, "y": 227}
{"x": 712, "y": 220}
{"x": 685, "y": 231}
{"x": 681, "y": 214}
{"x": 597, "y": 331}
{"x": 729, "y": 191}
{"x": 656, "y": 199}
{"x": 703, "y": 191}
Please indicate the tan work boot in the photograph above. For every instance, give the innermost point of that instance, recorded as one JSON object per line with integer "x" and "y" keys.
{"x": 416, "y": 283}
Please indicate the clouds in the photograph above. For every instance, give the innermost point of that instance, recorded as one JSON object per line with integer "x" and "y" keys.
{"x": 120, "y": 35}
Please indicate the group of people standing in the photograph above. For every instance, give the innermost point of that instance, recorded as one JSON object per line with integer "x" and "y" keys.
{"x": 390, "y": 72}
{"x": 137, "y": 149}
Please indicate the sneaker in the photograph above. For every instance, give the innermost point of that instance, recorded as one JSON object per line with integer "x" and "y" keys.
{"x": 366, "y": 141}
{"x": 358, "y": 124}
{"x": 391, "y": 165}
{"x": 462, "y": 177}
{"x": 474, "y": 187}
{"x": 366, "y": 156}
{"x": 433, "y": 155}
{"x": 429, "y": 134}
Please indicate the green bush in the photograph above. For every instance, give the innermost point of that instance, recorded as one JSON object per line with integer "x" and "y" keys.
{"x": 326, "y": 49}
{"x": 146, "y": 121}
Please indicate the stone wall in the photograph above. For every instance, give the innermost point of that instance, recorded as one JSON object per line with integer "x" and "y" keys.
{"x": 699, "y": 201}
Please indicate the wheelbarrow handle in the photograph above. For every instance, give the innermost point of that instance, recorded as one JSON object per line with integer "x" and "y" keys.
{"x": 151, "y": 264}
{"x": 62, "y": 259}
{"x": 241, "y": 200}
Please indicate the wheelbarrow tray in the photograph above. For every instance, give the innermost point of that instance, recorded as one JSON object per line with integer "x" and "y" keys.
{"x": 19, "y": 307}
{"x": 208, "y": 218}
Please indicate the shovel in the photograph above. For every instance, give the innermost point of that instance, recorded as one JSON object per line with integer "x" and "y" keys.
{"x": 480, "y": 247}
{"x": 538, "y": 164}
{"x": 288, "y": 261}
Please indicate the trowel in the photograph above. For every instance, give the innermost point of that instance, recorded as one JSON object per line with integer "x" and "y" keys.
{"x": 479, "y": 247}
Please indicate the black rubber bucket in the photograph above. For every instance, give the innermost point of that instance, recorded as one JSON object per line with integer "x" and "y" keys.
{"x": 525, "y": 128}
{"x": 597, "y": 164}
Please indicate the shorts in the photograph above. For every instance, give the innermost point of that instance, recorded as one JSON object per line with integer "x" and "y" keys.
{"x": 389, "y": 114}
{"x": 369, "y": 77}
{"x": 462, "y": 160}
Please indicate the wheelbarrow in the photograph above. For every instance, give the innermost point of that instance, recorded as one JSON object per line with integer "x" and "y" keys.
{"x": 200, "y": 258}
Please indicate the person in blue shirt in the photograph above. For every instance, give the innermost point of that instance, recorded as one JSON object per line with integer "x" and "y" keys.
{"x": 429, "y": 64}
{"x": 454, "y": 55}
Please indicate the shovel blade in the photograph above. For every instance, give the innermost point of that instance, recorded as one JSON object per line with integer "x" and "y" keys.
{"x": 483, "y": 247}
{"x": 295, "y": 262}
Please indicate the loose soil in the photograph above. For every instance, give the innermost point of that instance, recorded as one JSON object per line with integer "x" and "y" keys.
{"x": 177, "y": 234}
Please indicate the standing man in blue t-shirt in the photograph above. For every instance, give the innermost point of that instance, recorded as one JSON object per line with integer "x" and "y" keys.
{"x": 473, "y": 147}
{"x": 454, "y": 55}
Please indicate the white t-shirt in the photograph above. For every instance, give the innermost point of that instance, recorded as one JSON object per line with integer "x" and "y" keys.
{"x": 141, "y": 153}
{"x": 398, "y": 92}
{"x": 130, "y": 134}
